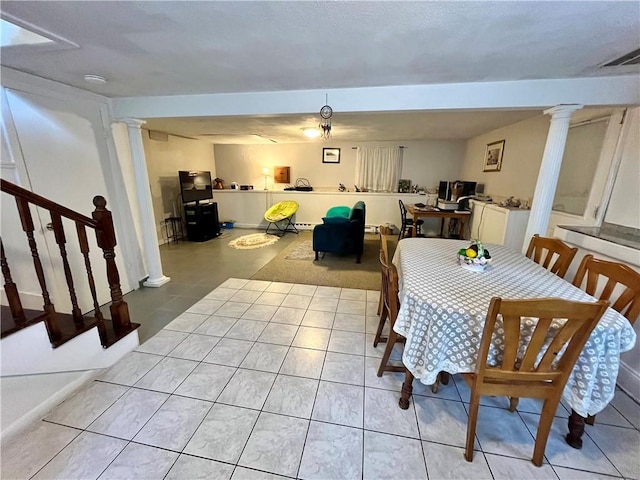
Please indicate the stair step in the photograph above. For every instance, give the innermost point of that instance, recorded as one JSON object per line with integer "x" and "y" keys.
{"x": 69, "y": 330}
{"x": 8, "y": 324}
{"x": 112, "y": 336}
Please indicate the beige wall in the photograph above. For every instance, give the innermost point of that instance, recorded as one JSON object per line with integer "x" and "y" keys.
{"x": 424, "y": 162}
{"x": 524, "y": 145}
{"x": 164, "y": 160}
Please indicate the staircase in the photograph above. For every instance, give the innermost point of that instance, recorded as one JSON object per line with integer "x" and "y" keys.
{"x": 46, "y": 353}
{"x": 64, "y": 326}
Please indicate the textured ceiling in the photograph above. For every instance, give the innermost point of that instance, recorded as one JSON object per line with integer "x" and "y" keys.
{"x": 188, "y": 47}
{"x": 166, "y": 48}
{"x": 348, "y": 127}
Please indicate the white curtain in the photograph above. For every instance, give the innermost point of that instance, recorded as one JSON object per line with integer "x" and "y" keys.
{"x": 378, "y": 168}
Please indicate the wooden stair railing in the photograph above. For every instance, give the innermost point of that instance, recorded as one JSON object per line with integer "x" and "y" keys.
{"x": 62, "y": 327}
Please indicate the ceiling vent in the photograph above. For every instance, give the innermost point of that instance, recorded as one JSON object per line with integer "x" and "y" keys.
{"x": 631, "y": 58}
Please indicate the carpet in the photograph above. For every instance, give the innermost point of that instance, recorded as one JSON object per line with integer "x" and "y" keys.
{"x": 295, "y": 264}
{"x": 302, "y": 251}
{"x": 255, "y": 240}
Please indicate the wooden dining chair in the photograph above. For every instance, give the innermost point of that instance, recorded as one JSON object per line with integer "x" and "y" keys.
{"x": 388, "y": 310}
{"x": 538, "y": 373}
{"x": 407, "y": 225}
{"x": 612, "y": 281}
{"x": 551, "y": 253}
{"x": 385, "y": 237}
{"x": 390, "y": 313}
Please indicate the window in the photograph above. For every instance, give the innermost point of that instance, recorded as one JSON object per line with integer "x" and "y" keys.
{"x": 579, "y": 164}
{"x": 378, "y": 168}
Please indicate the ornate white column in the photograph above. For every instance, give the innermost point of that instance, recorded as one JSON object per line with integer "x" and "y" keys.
{"x": 549, "y": 171}
{"x": 145, "y": 205}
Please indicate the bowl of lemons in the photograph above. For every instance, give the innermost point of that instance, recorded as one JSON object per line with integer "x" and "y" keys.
{"x": 475, "y": 257}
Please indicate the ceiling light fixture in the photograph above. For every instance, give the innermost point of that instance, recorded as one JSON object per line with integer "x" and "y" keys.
{"x": 96, "y": 79}
{"x": 311, "y": 132}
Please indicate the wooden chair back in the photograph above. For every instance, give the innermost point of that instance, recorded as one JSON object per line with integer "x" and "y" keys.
{"x": 385, "y": 232}
{"x": 390, "y": 308}
{"x": 612, "y": 281}
{"x": 551, "y": 253}
{"x": 532, "y": 370}
{"x": 385, "y": 237}
{"x": 405, "y": 224}
{"x": 403, "y": 210}
{"x": 390, "y": 288}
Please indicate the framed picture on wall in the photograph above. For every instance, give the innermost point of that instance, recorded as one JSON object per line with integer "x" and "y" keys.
{"x": 404, "y": 186}
{"x": 493, "y": 156}
{"x": 330, "y": 155}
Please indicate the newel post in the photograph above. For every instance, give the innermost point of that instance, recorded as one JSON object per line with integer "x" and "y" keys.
{"x": 106, "y": 237}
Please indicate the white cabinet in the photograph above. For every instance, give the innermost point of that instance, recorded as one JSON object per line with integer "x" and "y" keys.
{"x": 494, "y": 224}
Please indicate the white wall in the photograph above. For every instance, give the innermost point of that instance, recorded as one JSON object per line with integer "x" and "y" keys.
{"x": 164, "y": 160}
{"x": 522, "y": 155}
{"x": 424, "y": 162}
{"x": 624, "y": 206}
{"x": 247, "y": 208}
{"x": 60, "y": 148}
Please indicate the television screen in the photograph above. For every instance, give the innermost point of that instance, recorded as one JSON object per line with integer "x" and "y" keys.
{"x": 195, "y": 186}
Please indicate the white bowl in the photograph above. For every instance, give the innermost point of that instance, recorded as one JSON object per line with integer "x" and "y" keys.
{"x": 474, "y": 267}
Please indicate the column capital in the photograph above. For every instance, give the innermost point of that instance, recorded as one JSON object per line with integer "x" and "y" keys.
{"x": 562, "y": 111}
{"x": 132, "y": 122}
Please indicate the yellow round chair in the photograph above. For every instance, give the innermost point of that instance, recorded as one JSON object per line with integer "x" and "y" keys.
{"x": 280, "y": 212}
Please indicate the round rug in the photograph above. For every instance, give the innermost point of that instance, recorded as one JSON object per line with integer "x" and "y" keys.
{"x": 255, "y": 240}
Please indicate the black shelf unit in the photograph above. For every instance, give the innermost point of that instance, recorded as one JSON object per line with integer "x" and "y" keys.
{"x": 202, "y": 221}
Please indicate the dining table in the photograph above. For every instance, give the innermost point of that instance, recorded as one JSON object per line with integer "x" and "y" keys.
{"x": 417, "y": 213}
{"x": 443, "y": 306}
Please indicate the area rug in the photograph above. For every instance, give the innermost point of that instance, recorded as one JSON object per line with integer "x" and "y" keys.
{"x": 255, "y": 240}
{"x": 302, "y": 251}
{"x": 296, "y": 264}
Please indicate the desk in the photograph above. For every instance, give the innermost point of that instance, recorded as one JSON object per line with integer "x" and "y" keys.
{"x": 417, "y": 213}
{"x": 443, "y": 307}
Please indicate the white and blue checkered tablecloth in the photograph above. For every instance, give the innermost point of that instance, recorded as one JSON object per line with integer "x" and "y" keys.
{"x": 443, "y": 307}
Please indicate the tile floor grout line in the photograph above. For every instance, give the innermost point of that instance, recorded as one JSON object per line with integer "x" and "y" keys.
{"x": 114, "y": 459}
{"x": 603, "y": 452}
{"x": 364, "y": 387}
{"x": 486, "y": 460}
{"x": 622, "y": 414}
{"x": 422, "y": 442}
{"x": 263, "y": 403}
{"x": 315, "y": 398}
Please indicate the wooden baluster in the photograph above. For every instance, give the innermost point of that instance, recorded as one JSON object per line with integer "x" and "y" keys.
{"x": 61, "y": 240}
{"x": 15, "y": 305}
{"x": 106, "y": 237}
{"x": 27, "y": 226}
{"x": 84, "y": 248}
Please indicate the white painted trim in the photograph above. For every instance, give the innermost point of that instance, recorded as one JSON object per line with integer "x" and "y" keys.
{"x": 522, "y": 94}
{"x": 27, "y": 83}
{"x": 619, "y": 252}
{"x": 123, "y": 218}
{"x": 156, "y": 282}
{"x": 78, "y": 354}
{"x": 37, "y": 413}
{"x": 629, "y": 380}
{"x": 27, "y": 299}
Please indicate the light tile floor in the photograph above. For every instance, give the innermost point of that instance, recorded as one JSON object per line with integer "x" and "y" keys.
{"x": 263, "y": 380}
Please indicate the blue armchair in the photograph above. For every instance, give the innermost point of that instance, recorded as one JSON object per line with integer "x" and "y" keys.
{"x": 341, "y": 235}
